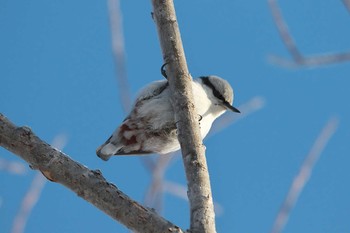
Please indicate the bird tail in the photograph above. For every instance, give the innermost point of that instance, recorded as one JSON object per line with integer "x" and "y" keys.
{"x": 106, "y": 150}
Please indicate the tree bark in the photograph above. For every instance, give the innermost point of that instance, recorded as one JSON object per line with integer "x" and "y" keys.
{"x": 87, "y": 184}
{"x": 199, "y": 190}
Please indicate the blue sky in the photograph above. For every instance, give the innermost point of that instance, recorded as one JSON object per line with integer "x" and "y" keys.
{"x": 58, "y": 77}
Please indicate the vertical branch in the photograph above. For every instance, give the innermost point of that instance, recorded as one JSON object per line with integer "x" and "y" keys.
{"x": 116, "y": 25}
{"x": 303, "y": 175}
{"x": 199, "y": 190}
{"x": 155, "y": 190}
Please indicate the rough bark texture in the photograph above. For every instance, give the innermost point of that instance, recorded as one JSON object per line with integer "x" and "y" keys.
{"x": 199, "y": 190}
{"x": 88, "y": 184}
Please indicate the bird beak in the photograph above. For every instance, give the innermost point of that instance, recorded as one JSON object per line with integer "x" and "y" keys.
{"x": 229, "y": 106}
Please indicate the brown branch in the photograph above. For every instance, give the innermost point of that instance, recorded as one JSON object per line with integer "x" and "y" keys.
{"x": 303, "y": 175}
{"x": 199, "y": 190}
{"x": 88, "y": 184}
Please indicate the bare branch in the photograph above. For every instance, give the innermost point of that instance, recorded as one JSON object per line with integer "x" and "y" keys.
{"x": 313, "y": 61}
{"x": 347, "y": 4}
{"x": 180, "y": 191}
{"x": 29, "y": 201}
{"x": 284, "y": 32}
{"x": 154, "y": 193}
{"x": 115, "y": 19}
{"x": 12, "y": 167}
{"x": 298, "y": 59}
{"x": 304, "y": 175}
{"x": 88, "y": 184}
{"x": 199, "y": 190}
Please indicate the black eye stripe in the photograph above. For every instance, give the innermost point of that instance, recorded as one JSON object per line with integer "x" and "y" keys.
{"x": 217, "y": 94}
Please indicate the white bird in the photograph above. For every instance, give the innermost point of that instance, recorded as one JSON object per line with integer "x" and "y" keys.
{"x": 151, "y": 128}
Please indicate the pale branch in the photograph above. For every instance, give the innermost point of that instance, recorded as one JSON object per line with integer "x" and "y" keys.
{"x": 284, "y": 32}
{"x": 347, "y": 4}
{"x": 193, "y": 152}
{"x": 303, "y": 175}
{"x": 154, "y": 193}
{"x": 87, "y": 184}
{"x": 311, "y": 61}
{"x": 118, "y": 48}
{"x": 12, "y": 167}
{"x": 28, "y": 203}
{"x": 298, "y": 59}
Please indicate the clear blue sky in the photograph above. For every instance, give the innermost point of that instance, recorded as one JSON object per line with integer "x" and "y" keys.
{"x": 58, "y": 76}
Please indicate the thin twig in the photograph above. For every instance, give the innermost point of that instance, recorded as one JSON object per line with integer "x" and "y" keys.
{"x": 148, "y": 163}
{"x": 298, "y": 59}
{"x": 12, "y": 167}
{"x": 29, "y": 201}
{"x": 116, "y": 25}
{"x": 284, "y": 32}
{"x": 303, "y": 176}
{"x": 347, "y": 4}
{"x": 155, "y": 190}
{"x": 313, "y": 61}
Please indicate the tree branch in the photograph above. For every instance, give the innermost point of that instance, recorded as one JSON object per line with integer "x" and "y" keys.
{"x": 199, "y": 190}
{"x": 304, "y": 175}
{"x": 88, "y": 184}
{"x": 118, "y": 48}
{"x": 298, "y": 59}
{"x": 347, "y": 4}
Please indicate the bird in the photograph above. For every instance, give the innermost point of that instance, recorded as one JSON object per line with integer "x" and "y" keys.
{"x": 150, "y": 126}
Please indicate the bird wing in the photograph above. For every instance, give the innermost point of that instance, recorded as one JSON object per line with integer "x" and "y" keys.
{"x": 152, "y": 90}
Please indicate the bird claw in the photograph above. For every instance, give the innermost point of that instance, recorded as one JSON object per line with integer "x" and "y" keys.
{"x": 200, "y": 117}
{"x": 163, "y": 71}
